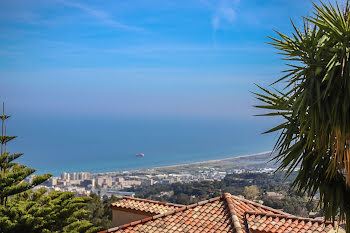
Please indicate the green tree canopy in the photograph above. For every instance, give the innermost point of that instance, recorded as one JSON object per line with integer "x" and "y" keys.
{"x": 35, "y": 212}
{"x": 251, "y": 192}
{"x": 25, "y": 210}
{"x": 13, "y": 175}
{"x": 100, "y": 211}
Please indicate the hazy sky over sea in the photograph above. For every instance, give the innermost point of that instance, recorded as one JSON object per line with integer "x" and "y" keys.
{"x": 139, "y": 58}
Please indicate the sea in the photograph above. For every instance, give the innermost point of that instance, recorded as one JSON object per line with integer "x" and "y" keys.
{"x": 56, "y": 144}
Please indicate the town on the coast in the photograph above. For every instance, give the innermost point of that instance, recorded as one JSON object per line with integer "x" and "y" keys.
{"x": 109, "y": 184}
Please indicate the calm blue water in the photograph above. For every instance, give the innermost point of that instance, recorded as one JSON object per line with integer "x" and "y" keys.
{"x": 57, "y": 144}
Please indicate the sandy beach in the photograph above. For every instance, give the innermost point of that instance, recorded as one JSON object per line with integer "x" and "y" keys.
{"x": 259, "y": 156}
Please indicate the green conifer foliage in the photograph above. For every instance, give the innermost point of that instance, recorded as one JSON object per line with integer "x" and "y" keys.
{"x": 25, "y": 210}
{"x": 41, "y": 212}
{"x": 12, "y": 175}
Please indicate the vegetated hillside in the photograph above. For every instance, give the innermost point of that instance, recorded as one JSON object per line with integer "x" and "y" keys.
{"x": 100, "y": 211}
{"x": 273, "y": 189}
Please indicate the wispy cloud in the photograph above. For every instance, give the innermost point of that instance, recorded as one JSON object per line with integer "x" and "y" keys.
{"x": 223, "y": 14}
{"x": 102, "y": 16}
{"x": 223, "y": 11}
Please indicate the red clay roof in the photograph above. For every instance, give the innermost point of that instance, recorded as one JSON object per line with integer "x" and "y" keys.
{"x": 207, "y": 216}
{"x": 224, "y": 214}
{"x": 271, "y": 223}
{"x": 155, "y": 207}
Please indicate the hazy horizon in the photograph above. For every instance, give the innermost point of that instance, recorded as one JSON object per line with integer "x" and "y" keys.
{"x": 70, "y": 62}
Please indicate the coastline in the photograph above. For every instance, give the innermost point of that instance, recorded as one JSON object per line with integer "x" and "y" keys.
{"x": 256, "y": 158}
{"x": 215, "y": 160}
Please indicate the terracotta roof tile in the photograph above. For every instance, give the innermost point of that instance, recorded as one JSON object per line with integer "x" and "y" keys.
{"x": 225, "y": 214}
{"x": 192, "y": 218}
{"x": 155, "y": 207}
{"x": 269, "y": 223}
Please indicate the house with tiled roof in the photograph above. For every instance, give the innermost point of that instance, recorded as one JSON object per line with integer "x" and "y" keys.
{"x": 223, "y": 214}
{"x": 131, "y": 209}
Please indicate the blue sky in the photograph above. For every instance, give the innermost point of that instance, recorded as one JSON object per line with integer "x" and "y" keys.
{"x": 193, "y": 58}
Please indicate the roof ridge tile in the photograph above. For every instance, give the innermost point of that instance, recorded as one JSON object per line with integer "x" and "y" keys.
{"x": 260, "y": 205}
{"x": 150, "y": 201}
{"x": 234, "y": 219}
{"x": 183, "y": 208}
{"x": 238, "y": 213}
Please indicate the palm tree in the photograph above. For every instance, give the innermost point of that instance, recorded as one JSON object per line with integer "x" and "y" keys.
{"x": 315, "y": 106}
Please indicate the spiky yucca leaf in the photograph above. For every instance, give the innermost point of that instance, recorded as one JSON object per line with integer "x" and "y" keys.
{"x": 315, "y": 105}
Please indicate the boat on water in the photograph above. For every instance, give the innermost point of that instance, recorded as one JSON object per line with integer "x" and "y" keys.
{"x": 140, "y": 155}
